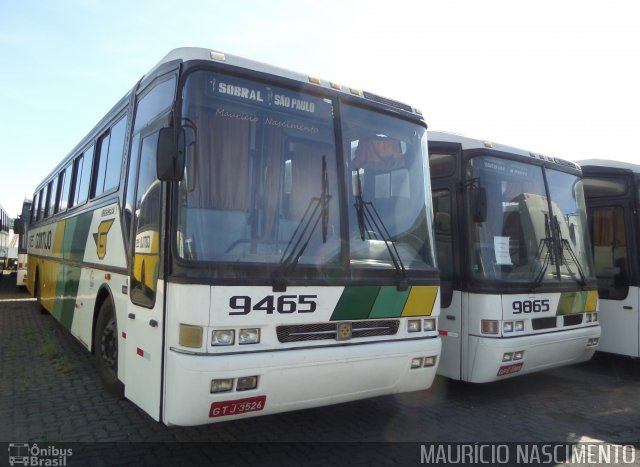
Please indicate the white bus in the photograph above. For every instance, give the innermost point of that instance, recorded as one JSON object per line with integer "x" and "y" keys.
{"x": 234, "y": 239}
{"x": 4, "y": 241}
{"x": 612, "y": 190}
{"x": 21, "y": 229}
{"x": 518, "y": 289}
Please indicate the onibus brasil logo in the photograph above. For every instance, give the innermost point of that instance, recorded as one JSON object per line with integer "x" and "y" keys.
{"x": 33, "y": 455}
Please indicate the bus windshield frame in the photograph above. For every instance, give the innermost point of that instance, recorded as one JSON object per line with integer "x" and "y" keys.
{"x": 527, "y": 223}
{"x": 310, "y": 185}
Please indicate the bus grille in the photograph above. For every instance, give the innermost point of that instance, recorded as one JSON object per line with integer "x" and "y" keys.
{"x": 323, "y": 331}
{"x": 543, "y": 323}
{"x": 572, "y": 320}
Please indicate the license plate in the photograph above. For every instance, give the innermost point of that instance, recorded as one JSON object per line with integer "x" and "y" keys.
{"x": 237, "y": 407}
{"x": 508, "y": 369}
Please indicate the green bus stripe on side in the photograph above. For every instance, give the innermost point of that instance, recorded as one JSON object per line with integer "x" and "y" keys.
{"x": 390, "y": 302}
{"x": 70, "y": 294}
{"x": 355, "y": 303}
{"x": 75, "y": 236}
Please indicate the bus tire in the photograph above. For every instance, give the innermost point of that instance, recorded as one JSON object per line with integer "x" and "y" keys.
{"x": 105, "y": 348}
{"x": 38, "y": 294}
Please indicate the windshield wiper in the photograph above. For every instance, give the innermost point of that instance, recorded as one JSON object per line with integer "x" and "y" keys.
{"x": 546, "y": 244}
{"x": 372, "y": 226}
{"x": 317, "y": 210}
{"x": 566, "y": 246}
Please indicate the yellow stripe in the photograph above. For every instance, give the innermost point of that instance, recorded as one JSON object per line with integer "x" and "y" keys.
{"x": 58, "y": 239}
{"x": 421, "y": 301}
{"x": 592, "y": 301}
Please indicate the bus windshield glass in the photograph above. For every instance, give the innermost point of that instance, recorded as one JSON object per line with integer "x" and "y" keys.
{"x": 521, "y": 233}
{"x": 262, "y": 181}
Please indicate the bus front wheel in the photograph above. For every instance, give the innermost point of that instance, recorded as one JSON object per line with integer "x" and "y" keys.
{"x": 105, "y": 348}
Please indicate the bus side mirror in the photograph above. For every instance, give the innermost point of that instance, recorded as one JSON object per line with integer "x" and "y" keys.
{"x": 170, "y": 154}
{"x": 479, "y": 204}
{"x": 17, "y": 226}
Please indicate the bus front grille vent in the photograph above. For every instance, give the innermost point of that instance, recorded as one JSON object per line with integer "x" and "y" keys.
{"x": 329, "y": 331}
{"x": 572, "y": 320}
{"x": 543, "y": 323}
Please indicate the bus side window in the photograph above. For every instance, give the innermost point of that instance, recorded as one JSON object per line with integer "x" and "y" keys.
{"x": 610, "y": 253}
{"x": 109, "y": 159}
{"x": 82, "y": 172}
{"x": 146, "y": 255}
{"x": 34, "y": 208}
{"x": 64, "y": 183}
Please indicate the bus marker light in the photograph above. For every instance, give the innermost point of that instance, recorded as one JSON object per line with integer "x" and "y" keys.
{"x": 429, "y": 324}
{"x": 249, "y": 336}
{"x": 489, "y": 326}
{"x": 335, "y": 86}
{"x": 246, "y": 383}
{"x": 416, "y": 362}
{"x": 519, "y": 326}
{"x": 414, "y": 325}
{"x": 221, "y": 385}
{"x": 507, "y": 326}
{"x": 107, "y": 276}
{"x": 223, "y": 337}
{"x": 190, "y": 336}
{"x": 507, "y": 357}
{"x": 430, "y": 361}
{"x": 355, "y": 91}
{"x": 519, "y": 355}
{"x": 218, "y": 56}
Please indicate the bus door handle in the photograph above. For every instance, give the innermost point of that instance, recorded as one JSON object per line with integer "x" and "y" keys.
{"x": 627, "y": 307}
{"x": 451, "y": 317}
{"x": 132, "y": 316}
{"x": 153, "y": 323}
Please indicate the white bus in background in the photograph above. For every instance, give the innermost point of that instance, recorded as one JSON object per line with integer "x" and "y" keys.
{"x": 612, "y": 190}
{"x": 4, "y": 241}
{"x": 234, "y": 239}
{"x": 517, "y": 282}
{"x": 21, "y": 229}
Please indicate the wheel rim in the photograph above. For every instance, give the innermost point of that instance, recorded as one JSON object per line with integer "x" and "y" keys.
{"x": 109, "y": 345}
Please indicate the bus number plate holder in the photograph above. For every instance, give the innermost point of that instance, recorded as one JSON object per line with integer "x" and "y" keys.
{"x": 508, "y": 369}
{"x": 237, "y": 407}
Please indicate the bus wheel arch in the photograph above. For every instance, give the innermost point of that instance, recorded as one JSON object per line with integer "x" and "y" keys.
{"x": 105, "y": 341}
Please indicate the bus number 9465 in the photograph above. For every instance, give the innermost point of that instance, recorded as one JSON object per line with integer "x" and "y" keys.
{"x": 530, "y": 306}
{"x": 283, "y": 304}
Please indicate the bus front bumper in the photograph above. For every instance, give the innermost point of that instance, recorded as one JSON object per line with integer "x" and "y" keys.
{"x": 540, "y": 352}
{"x": 292, "y": 379}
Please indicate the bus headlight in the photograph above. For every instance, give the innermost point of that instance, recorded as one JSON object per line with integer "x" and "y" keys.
{"x": 246, "y": 383}
{"x": 416, "y": 362}
{"x": 489, "y": 326}
{"x": 429, "y": 324}
{"x": 507, "y": 326}
{"x": 519, "y": 326}
{"x": 519, "y": 355}
{"x": 430, "y": 361}
{"x": 221, "y": 385}
{"x": 190, "y": 336}
{"x": 507, "y": 357}
{"x": 249, "y": 336}
{"x": 414, "y": 325}
{"x": 223, "y": 337}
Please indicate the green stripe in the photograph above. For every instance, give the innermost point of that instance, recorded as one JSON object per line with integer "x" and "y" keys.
{"x": 75, "y": 236}
{"x": 390, "y": 302}
{"x": 571, "y": 302}
{"x": 355, "y": 303}
{"x": 68, "y": 283}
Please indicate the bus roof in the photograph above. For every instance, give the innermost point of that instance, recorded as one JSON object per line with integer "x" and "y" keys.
{"x": 609, "y": 164}
{"x": 184, "y": 54}
{"x": 473, "y": 143}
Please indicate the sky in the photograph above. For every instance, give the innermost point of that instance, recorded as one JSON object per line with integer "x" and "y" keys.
{"x": 551, "y": 76}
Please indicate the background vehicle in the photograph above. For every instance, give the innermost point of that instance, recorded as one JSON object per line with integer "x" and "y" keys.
{"x": 21, "y": 229}
{"x": 518, "y": 288}
{"x": 266, "y": 246}
{"x": 4, "y": 241}
{"x": 612, "y": 190}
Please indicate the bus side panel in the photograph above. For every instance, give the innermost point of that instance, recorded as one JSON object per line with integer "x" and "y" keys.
{"x": 620, "y": 322}
{"x": 450, "y": 326}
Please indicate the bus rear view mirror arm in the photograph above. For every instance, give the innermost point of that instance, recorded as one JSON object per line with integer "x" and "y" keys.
{"x": 170, "y": 154}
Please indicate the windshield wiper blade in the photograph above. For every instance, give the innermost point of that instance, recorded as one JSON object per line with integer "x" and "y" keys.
{"x": 566, "y": 246}
{"x": 317, "y": 210}
{"x": 371, "y": 224}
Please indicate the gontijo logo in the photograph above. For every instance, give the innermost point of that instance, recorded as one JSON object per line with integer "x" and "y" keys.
{"x": 101, "y": 237}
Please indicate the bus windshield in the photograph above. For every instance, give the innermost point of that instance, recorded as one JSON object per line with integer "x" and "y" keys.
{"x": 519, "y": 231}
{"x": 262, "y": 181}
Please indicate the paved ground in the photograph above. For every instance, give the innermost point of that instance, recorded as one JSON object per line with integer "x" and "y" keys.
{"x": 50, "y": 394}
